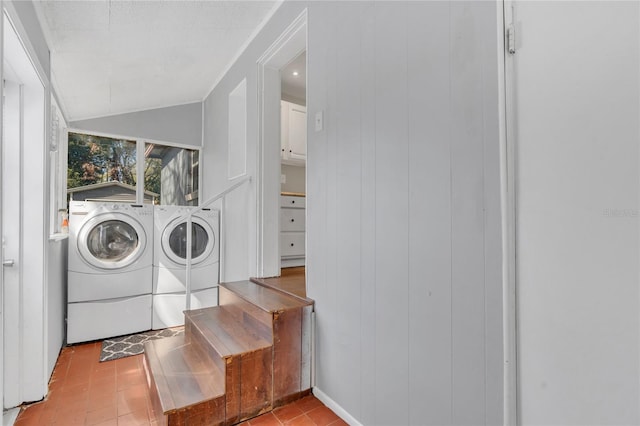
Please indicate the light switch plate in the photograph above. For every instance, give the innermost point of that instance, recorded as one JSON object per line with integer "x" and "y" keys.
{"x": 283, "y": 178}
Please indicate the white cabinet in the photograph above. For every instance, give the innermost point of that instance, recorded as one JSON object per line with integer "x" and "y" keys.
{"x": 293, "y": 133}
{"x": 292, "y": 231}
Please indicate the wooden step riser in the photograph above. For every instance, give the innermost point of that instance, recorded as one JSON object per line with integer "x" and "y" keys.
{"x": 248, "y": 374}
{"x": 185, "y": 387}
{"x": 210, "y": 413}
{"x": 219, "y": 333}
{"x": 249, "y": 382}
{"x": 194, "y": 337}
{"x": 247, "y": 313}
{"x": 292, "y": 339}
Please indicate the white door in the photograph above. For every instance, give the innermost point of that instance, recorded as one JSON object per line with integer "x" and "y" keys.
{"x": 575, "y": 79}
{"x": 11, "y": 237}
{"x": 23, "y": 230}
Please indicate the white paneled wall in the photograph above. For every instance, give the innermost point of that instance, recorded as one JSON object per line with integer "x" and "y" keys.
{"x": 431, "y": 215}
{"x": 403, "y": 214}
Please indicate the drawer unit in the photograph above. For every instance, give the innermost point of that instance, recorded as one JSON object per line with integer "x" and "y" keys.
{"x": 292, "y": 201}
{"x": 292, "y": 244}
{"x": 292, "y": 220}
{"x": 292, "y": 230}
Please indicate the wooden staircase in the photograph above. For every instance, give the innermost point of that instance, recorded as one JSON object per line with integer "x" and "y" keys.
{"x": 235, "y": 361}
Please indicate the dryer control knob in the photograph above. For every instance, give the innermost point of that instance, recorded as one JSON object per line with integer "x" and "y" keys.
{"x": 115, "y": 207}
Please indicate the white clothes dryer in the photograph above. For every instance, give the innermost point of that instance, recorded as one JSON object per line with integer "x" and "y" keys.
{"x": 110, "y": 269}
{"x": 169, "y": 262}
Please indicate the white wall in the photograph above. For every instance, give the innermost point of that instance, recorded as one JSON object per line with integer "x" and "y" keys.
{"x": 295, "y": 177}
{"x": 403, "y": 207}
{"x": 577, "y": 132}
{"x": 179, "y": 124}
{"x": 403, "y": 211}
{"x": 29, "y": 21}
{"x": 56, "y": 301}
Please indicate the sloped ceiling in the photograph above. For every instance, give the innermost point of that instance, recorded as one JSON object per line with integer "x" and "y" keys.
{"x": 113, "y": 57}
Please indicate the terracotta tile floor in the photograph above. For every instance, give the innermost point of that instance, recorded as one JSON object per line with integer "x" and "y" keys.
{"x": 84, "y": 391}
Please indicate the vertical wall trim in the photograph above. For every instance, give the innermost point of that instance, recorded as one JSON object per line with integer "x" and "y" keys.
{"x": 140, "y": 150}
{"x": 451, "y": 274}
{"x": 508, "y": 207}
{"x": 1, "y": 205}
{"x": 21, "y": 249}
{"x": 222, "y": 246}
{"x": 46, "y": 225}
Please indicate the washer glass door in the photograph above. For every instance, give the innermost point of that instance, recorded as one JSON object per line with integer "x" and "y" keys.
{"x": 174, "y": 241}
{"x": 111, "y": 241}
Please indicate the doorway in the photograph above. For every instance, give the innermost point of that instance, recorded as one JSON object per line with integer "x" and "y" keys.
{"x": 293, "y": 161}
{"x": 23, "y": 218}
{"x": 282, "y": 152}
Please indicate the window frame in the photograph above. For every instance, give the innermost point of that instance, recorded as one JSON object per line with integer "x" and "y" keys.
{"x": 57, "y": 149}
{"x": 140, "y": 150}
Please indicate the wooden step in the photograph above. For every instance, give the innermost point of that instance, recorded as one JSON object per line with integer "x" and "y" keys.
{"x": 185, "y": 386}
{"x": 289, "y": 318}
{"x": 244, "y": 352}
{"x": 289, "y": 285}
{"x": 219, "y": 330}
{"x": 237, "y": 360}
{"x": 265, "y": 298}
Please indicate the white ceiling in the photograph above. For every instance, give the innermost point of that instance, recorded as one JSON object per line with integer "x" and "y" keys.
{"x": 116, "y": 56}
{"x": 295, "y": 85}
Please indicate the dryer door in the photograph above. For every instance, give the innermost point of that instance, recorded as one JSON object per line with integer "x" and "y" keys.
{"x": 174, "y": 241}
{"x": 111, "y": 241}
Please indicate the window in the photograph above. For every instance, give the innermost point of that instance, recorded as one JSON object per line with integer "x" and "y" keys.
{"x": 172, "y": 173}
{"x": 57, "y": 155}
{"x": 102, "y": 167}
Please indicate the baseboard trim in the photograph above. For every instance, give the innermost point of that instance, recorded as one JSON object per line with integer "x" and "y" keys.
{"x": 9, "y": 416}
{"x": 335, "y": 407}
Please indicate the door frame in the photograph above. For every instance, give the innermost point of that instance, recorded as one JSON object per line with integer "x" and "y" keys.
{"x": 287, "y": 46}
{"x": 1, "y": 209}
{"x": 38, "y": 386}
{"x": 508, "y": 206}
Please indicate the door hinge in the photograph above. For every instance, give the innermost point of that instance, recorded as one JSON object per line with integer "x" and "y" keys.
{"x": 511, "y": 39}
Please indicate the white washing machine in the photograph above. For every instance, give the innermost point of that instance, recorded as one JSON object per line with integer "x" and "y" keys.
{"x": 169, "y": 263}
{"x": 110, "y": 271}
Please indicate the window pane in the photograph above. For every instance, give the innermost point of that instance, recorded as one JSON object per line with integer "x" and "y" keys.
{"x": 101, "y": 168}
{"x": 171, "y": 175}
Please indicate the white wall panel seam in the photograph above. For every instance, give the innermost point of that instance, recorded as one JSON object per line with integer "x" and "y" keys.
{"x": 409, "y": 205}
{"x": 449, "y": 40}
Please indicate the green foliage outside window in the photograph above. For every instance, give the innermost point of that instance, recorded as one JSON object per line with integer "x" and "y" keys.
{"x": 170, "y": 173}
